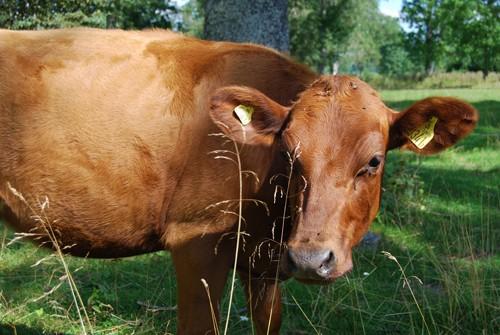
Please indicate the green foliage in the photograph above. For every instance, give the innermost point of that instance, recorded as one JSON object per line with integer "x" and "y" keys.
{"x": 455, "y": 79}
{"x": 133, "y": 14}
{"x": 460, "y": 80}
{"x": 39, "y": 14}
{"x": 396, "y": 60}
{"x": 352, "y": 34}
{"x": 126, "y": 14}
{"x": 426, "y": 21}
{"x": 444, "y": 35}
{"x": 373, "y": 31}
{"x": 403, "y": 189}
{"x": 473, "y": 34}
{"x": 454, "y": 34}
{"x": 319, "y": 30}
{"x": 193, "y": 18}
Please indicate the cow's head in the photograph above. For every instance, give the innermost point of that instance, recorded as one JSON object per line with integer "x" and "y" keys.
{"x": 342, "y": 131}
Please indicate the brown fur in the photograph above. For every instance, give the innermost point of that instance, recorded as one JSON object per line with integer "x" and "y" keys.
{"x": 114, "y": 129}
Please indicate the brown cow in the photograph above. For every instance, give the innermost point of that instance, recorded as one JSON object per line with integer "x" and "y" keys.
{"x": 121, "y": 132}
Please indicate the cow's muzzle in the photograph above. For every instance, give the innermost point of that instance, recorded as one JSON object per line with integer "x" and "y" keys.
{"x": 316, "y": 266}
{"x": 310, "y": 264}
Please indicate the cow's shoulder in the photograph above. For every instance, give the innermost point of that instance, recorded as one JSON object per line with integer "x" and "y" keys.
{"x": 275, "y": 74}
{"x": 191, "y": 62}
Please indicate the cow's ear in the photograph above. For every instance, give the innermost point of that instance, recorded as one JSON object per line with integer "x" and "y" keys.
{"x": 246, "y": 115}
{"x": 431, "y": 125}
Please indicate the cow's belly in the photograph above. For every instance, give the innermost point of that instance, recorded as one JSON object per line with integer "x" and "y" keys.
{"x": 85, "y": 237}
{"x": 96, "y": 207}
{"x": 106, "y": 198}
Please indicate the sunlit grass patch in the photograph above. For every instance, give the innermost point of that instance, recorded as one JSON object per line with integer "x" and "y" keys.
{"x": 121, "y": 296}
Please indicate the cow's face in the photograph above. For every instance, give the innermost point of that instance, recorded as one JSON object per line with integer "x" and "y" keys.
{"x": 338, "y": 134}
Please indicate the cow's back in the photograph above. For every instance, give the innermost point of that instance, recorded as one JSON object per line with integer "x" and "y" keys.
{"x": 102, "y": 124}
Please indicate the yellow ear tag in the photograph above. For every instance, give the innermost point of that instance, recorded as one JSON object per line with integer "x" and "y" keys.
{"x": 423, "y": 135}
{"x": 244, "y": 113}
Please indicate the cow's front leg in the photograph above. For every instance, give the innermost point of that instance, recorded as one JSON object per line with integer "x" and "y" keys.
{"x": 265, "y": 311}
{"x": 196, "y": 260}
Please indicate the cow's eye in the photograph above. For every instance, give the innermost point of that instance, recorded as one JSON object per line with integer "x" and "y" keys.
{"x": 372, "y": 166}
{"x": 374, "y": 162}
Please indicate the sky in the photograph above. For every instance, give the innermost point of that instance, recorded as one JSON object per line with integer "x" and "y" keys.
{"x": 181, "y": 2}
{"x": 393, "y": 8}
{"x": 390, "y": 7}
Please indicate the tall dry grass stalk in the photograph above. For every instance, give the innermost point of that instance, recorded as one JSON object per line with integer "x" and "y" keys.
{"x": 212, "y": 310}
{"x": 40, "y": 216}
{"x": 406, "y": 282}
{"x": 291, "y": 161}
{"x": 238, "y": 235}
{"x": 222, "y": 154}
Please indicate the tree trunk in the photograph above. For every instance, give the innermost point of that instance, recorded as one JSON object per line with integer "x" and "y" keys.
{"x": 486, "y": 62}
{"x": 258, "y": 21}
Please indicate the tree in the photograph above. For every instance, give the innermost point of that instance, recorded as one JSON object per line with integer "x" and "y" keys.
{"x": 473, "y": 34}
{"x": 426, "y": 19}
{"x": 133, "y": 14}
{"x": 396, "y": 61}
{"x": 259, "y": 21}
{"x": 373, "y": 31}
{"x": 192, "y": 18}
{"x": 455, "y": 33}
{"x": 320, "y": 29}
{"x": 349, "y": 33}
{"x": 127, "y": 14}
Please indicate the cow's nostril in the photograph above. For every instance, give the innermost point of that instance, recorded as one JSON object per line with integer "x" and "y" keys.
{"x": 329, "y": 260}
{"x": 327, "y": 264}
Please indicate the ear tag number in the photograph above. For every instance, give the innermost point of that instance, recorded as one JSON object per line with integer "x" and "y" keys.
{"x": 423, "y": 135}
{"x": 244, "y": 113}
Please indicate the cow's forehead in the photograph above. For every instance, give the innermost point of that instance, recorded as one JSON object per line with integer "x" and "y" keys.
{"x": 339, "y": 109}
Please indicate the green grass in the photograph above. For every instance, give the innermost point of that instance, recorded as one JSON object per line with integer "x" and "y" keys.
{"x": 436, "y": 80}
{"x": 440, "y": 219}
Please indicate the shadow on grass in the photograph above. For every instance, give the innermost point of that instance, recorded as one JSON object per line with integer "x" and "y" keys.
{"x": 130, "y": 295}
{"x": 462, "y": 209}
{"x": 116, "y": 287}
{"x": 462, "y": 185}
{"x": 453, "y": 209}
{"x": 6, "y": 329}
{"x": 460, "y": 203}
{"x": 371, "y": 300}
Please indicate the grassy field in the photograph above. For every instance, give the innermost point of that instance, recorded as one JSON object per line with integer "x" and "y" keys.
{"x": 440, "y": 221}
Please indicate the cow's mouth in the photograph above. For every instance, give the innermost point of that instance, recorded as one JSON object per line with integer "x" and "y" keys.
{"x": 308, "y": 271}
{"x": 321, "y": 281}
{"x": 309, "y": 281}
